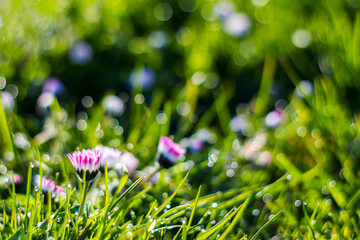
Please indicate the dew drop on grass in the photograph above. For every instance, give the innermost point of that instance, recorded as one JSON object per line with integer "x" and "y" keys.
{"x": 288, "y": 177}
{"x": 297, "y": 203}
{"x": 332, "y": 183}
{"x": 267, "y": 198}
{"x": 36, "y": 189}
{"x": 255, "y": 212}
{"x": 328, "y": 202}
{"x": 168, "y": 206}
{"x": 214, "y": 205}
{"x": 109, "y": 217}
{"x": 32, "y": 165}
{"x": 341, "y": 173}
{"x": 3, "y": 169}
{"x": 325, "y": 190}
{"x": 165, "y": 195}
{"x": 213, "y": 222}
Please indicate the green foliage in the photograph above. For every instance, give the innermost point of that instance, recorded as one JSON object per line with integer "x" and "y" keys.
{"x": 250, "y": 179}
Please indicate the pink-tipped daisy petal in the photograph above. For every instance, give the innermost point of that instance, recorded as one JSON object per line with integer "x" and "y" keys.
{"x": 86, "y": 161}
{"x": 169, "y": 152}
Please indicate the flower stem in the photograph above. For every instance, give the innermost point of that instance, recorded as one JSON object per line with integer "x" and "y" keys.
{"x": 84, "y": 197}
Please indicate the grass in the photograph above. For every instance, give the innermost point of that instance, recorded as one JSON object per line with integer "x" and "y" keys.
{"x": 254, "y": 176}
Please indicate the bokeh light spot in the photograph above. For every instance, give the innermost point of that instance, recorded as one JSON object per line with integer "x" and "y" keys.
{"x": 301, "y": 38}
{"x": 163, "y": 11}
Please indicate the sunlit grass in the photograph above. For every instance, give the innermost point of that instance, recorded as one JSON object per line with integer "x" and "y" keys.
{"x": 262, "y": 94}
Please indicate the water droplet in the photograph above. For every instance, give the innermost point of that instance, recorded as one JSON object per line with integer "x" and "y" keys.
{"x": 32, "y": 165}
{"x": 288, "y": 177}
{"x": 230, "y": 173}
{"x": 328, "y": 202}
{"x": 332, "y": 183}
{"x": 325, "y": 190}
{"x": 36, "y": 189}
{"x": 214, "y": 205}
{"x": 3, "y": 169}
{"x": 267, "y": 197}
{"x": 297, "y": 203}
{"x": 255, "y": 212}
{"x": 213, "y": 222}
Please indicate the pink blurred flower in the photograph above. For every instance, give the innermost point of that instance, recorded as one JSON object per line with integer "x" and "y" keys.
{"x": 264, "y": 158}
{"x": 59, "y": 191}
{"x": 168, "y": 152}
{"x": 274, "y": 118}
{"x": 17, "y": 179}
{"x": 88, "y": 161}
{"x": 48, "y": 185}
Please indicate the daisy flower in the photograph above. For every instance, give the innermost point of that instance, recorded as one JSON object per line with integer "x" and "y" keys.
{"x": 86, "y": 161}
{"x": 168, "y": 152}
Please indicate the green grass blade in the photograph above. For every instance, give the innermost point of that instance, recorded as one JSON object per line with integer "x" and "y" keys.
{"x": 257, "y": 234}
{"x": 237, "y": 217}
{"x": 218, "y": 226}
{"x": 308, "y": 221}
{"x": 163, "y": 205}
{"x": 193, "y": 209}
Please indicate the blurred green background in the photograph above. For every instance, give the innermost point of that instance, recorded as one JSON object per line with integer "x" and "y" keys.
{"x": 94, "y": 46}
{"x": 182, "y": 66}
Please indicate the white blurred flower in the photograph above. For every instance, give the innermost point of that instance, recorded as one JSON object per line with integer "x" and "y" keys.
{"x": 113, "y": 105}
